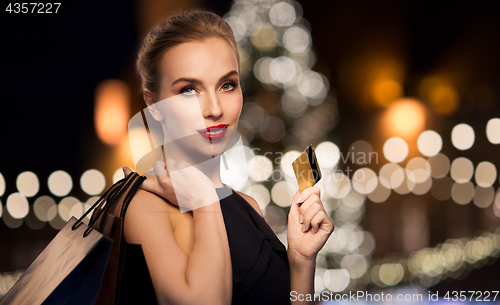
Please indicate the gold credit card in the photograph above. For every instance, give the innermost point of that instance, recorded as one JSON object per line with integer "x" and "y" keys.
{"x": 306, "y": 168}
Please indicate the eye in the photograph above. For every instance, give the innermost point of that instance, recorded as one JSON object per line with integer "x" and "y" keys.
{"x": 188, "y": 91}
{"x": 228, "y": 86}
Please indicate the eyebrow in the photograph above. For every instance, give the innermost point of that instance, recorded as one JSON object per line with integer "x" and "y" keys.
{"x": 197, "y": 81}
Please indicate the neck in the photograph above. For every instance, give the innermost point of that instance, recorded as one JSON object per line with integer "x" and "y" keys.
{"x": 208, "y": 165}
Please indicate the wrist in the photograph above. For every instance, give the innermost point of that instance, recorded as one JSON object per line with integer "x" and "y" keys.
{"x": 299, "y": 261}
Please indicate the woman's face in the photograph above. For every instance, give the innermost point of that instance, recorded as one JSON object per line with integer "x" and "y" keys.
{"x": 200, "y": 99}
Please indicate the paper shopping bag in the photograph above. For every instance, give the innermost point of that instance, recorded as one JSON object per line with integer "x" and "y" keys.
{"x": 68, "y": 271}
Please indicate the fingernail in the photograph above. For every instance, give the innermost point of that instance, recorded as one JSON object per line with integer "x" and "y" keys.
{"x": 299, "y": 199}
{"x": 301, "y": 218}
{"x": 303, "y": 228}
{"x": 314, "y": 232}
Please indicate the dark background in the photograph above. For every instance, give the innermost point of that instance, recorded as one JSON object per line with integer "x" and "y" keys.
{"x": 51, "y": 64}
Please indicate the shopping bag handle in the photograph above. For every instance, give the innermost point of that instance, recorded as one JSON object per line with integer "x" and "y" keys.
{"x": 109, "y": 198}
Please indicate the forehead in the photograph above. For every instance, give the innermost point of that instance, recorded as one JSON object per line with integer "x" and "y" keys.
{"x": 207, "y": 59}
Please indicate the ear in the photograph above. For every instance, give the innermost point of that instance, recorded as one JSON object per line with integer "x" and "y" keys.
{"x": 152, "y": 107}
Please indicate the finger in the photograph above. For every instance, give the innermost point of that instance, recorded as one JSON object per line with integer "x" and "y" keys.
{"x": 127, "y": 170}
{"x": 309, "y": 215}
{"x": 317, "y": 220}
{"x": 308, "y": 203}
{"x": 322, "y": 221}
{"x": 306, "y": 193}
{"x": 183, "y": 164}
{"x": 150, "y": 184}
{"x": 159, "y": 168}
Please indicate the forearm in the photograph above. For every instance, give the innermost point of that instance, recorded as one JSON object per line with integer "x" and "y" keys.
{"x": 209, "y": 263}
{"x": 302, "y": 278}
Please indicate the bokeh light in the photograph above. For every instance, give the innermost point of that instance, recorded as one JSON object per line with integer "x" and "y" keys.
{"x": 284, "y": 70}
{"x": 355, "y": 264}
{"x": 282, "y": 193}
{"x": 338, "y": 185}
{"x": 263, "y": 37}
{"x": 292, "y": 103}
{"x": 461, "y": 170}
{"x": 2, "y": 185}
{"x": 353, "y": 201}
{"x": 260, "y": 168}
{"x": 443, "y": 99}
{"x": 497, "y": 204}
{"x": 405, "y": 187}
{"x": 361, "y": 153}
{"x": 483, "y": 196}
{"x": 296, "y": 39}
{"x": 336, "y": 280}
{"x": 261, "y": 194}
{"x": 60, "y": 183}
{"x": 282, "y": 14}
{"x": 386, "y": 91}
{"x": 328, "y": 155}
{"x": 462, "y": 193}
{"x": 486, "y": 174}
{"x": 287, "y": 159}
{"x": 391, "y": 274}
{"x": 112, "y": 103}
{"x": 45, "y": 208}
{"x": 395, "y": 150}
{"x": 312, "y": 84}
{"x": 405, "y": 118}
{"x": 391, "y": 175}
{"x": 379, "y": 194}
{"x": 418, "y": 170}
{"x": 17, "y": 205}
{"x": 93, "y": 182}
{"x": 422, "y": 187}
{"x": 27, "y": 184}
{"x": 493, "y": 131}
{"x": 440, "y": 165}
{"x": 462, "y": 136}
{"x": 429, "y": 143}
{"x": 364, "y": 180}
{"x": 70, "y": 206}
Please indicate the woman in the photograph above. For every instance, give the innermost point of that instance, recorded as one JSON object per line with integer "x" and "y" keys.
{"x": 221, "y": 251}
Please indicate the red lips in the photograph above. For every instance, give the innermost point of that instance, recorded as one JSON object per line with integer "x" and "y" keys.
{"x": 214, "y": 133}
{"x": 213, "y": 128}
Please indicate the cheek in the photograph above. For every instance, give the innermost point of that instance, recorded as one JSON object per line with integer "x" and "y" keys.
{"x": 233, "y": 109}
{"x": 181, "y": 118}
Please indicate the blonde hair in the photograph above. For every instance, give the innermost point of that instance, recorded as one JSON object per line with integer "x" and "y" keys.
{"x": 191, "y": 25}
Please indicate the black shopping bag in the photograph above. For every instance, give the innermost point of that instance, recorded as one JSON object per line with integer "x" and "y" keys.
{"x": 68, "y": 271}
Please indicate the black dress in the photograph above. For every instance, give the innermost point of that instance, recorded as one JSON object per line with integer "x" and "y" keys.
{"x": 261, "y": 274}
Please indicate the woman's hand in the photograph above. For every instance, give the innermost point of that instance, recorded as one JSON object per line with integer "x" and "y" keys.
{"x": 175, "y": 182}
{"x": 309, "y": 226}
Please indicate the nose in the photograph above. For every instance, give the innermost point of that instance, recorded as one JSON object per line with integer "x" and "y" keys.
{"x": 212, "y": 108}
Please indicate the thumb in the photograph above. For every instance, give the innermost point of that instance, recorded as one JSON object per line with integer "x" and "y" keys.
{"x": 150, "y": 185}
{"x": 126, "y": 170}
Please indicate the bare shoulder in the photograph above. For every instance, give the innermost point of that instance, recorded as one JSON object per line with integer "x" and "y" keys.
{"x": 251, "y": 201}
{"x": 146, "y": 214}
